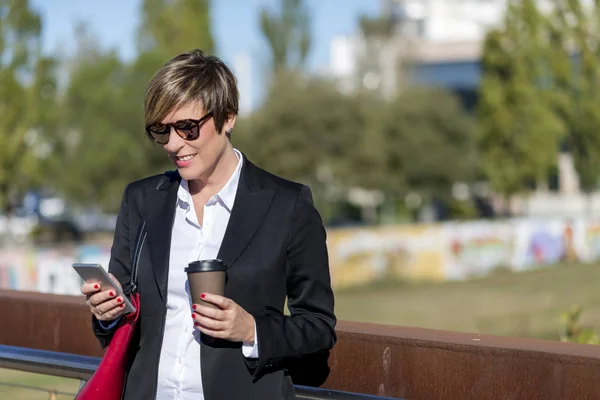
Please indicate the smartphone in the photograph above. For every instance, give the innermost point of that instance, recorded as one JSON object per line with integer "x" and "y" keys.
{"x": 96, "y": 273}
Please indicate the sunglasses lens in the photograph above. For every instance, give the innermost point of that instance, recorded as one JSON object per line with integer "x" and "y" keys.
{"x": 160, "y": 138}
{"x": 187, "y": 130}
{"x": 159, "y": 133}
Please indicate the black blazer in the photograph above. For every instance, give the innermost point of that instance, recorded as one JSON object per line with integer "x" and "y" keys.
{"x": 275, "y": 248}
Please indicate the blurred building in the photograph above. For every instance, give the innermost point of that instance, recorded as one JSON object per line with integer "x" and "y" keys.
{"x": 428, "y": 41}
{"x": 439, "y": 42}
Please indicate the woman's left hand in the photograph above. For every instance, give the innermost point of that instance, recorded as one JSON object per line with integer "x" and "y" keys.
{"x": 230, "y": 322}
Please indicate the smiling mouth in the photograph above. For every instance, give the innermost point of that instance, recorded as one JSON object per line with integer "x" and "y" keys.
{"x": 185, "y": 158}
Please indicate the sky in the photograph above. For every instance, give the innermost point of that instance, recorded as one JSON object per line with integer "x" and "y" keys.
{"x": 234, "y": 23}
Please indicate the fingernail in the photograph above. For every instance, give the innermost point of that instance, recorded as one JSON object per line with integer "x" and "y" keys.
{"x": 193, "y": 315}
{"x": 111, "y": 294}
{"x": 196, "y": 324}
{"x": 194, "y": 306}
{"x": 96, "y": 287}
{"x": 202, "y": 296}
{"x": 119, "y": 300}
{"x": 122, "y": 305}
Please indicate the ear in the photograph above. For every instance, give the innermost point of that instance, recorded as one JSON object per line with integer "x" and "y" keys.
{"x": 229, "y": 123}
{"x": 228, "y": 126}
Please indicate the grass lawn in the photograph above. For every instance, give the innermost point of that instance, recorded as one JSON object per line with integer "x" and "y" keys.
{"x": 34, "y": 380}
{"x": 524, "y": 304}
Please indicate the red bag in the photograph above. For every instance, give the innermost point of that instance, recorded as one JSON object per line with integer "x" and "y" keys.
{"x": 109, "y": 379}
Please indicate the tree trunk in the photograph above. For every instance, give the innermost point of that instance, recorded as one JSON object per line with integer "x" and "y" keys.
{"x": 507, "y": 206}
{"x": 589, "y": 208}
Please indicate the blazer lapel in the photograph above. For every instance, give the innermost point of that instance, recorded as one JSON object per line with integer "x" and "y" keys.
{"x": 160, "y": 214}
{"x": 251, "y": 205}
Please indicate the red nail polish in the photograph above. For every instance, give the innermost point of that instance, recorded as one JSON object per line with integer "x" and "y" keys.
{"x": 193, "y": 315}
{"x": 196, "y": 324}
{"x": 122, "y": 305}
{"x": 96, "y": 286}
{"x": 202, "y": 296}
{"x": 119, "y": 300}
{"x": 194, "y": 306}
{"x": 111, "y": 294}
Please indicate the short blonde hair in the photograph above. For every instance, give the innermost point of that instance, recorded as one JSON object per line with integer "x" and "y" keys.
{"x": 189, "y": 77}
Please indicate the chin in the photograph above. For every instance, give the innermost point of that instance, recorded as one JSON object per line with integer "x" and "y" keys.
{"x": 186, "y": 173}
{"x": 192, "y": 172}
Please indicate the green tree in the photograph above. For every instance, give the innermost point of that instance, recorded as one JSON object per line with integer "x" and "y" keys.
{"x": 27, "y": 90}
{"x": 428, "y": 143}
{"x": 519, "y": 132}
{"x": 168, "y": 28}
{"x": 309, "y": 132}
{"x": 286, "y": 31}
{"x": 101, "y": 146}
{"x": 575, "y": 66}
{"x": 105, "y": 146}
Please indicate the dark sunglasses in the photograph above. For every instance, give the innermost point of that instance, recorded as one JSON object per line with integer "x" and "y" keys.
{"x": 187, "y": 129}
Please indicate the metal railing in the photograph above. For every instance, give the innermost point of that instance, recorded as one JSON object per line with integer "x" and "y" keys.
{"x": 82, "y": 367}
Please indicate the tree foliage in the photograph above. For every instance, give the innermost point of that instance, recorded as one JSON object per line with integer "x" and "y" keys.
{"x": 519, "y": 132}
{"x": 310, "y": 132}
{"x": 305, "y": 125}
{"x": 286, "y": 31}
{"x": 27, "y": 90}
{"x": 306, "y": 130}
{"x": 170, "y": 27}
{"x": 101, "y": 150}
{"x": 575, "y": 66}
{"x": 427, "y": 142}
{"x": 105, "y": 146}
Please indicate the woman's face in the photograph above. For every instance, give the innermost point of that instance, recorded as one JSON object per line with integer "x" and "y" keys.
{"x": 196, "y": 159}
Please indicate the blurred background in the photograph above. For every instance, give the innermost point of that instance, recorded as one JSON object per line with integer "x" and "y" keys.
{"x": 452, "y": 146}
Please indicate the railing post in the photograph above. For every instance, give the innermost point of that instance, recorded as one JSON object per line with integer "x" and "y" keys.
{"x": 82, "y": 383}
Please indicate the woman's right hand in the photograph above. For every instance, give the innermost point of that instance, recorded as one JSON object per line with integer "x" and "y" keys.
{"x": 104, "y": 302}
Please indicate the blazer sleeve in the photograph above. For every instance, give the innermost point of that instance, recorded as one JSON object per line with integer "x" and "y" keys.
{"x": 119, "y": 264}
{"x": 310, "y": 327}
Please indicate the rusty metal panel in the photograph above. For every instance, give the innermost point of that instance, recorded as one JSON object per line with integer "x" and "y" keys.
{"x": 47, "y": 322}
{"x": 384, "y": 360}
{"x": 429, "y": 364}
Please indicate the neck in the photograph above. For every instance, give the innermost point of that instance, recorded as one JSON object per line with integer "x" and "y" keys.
{"x": 207, "y": 187}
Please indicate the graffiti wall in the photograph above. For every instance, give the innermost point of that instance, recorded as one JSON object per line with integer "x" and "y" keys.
{"x": 436, "y": 252}
{"x": 48, "y": 270}
{"x": 363, "y": 255}
{"x": 474, "y": 249}
{"x": 457, "y": 251}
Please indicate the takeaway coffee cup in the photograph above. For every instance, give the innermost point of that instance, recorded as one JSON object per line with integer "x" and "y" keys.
{"x": 206, "y": 276}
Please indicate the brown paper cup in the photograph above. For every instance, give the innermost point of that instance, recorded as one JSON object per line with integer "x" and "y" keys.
{"x": 206, "y": 276}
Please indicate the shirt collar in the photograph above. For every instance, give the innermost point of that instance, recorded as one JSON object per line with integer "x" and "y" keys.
{"x": 226, "y": 195}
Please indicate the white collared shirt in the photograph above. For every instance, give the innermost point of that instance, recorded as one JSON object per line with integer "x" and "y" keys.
{"x": 179, "y": 370}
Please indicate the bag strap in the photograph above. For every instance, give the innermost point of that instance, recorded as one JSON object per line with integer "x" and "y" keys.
{"x": 135, "y": 256}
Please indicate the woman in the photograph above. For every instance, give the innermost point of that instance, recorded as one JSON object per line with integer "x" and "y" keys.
{"x": 217, "y": 204}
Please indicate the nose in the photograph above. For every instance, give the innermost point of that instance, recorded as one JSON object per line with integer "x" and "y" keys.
{"x": 175, "y": 142}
